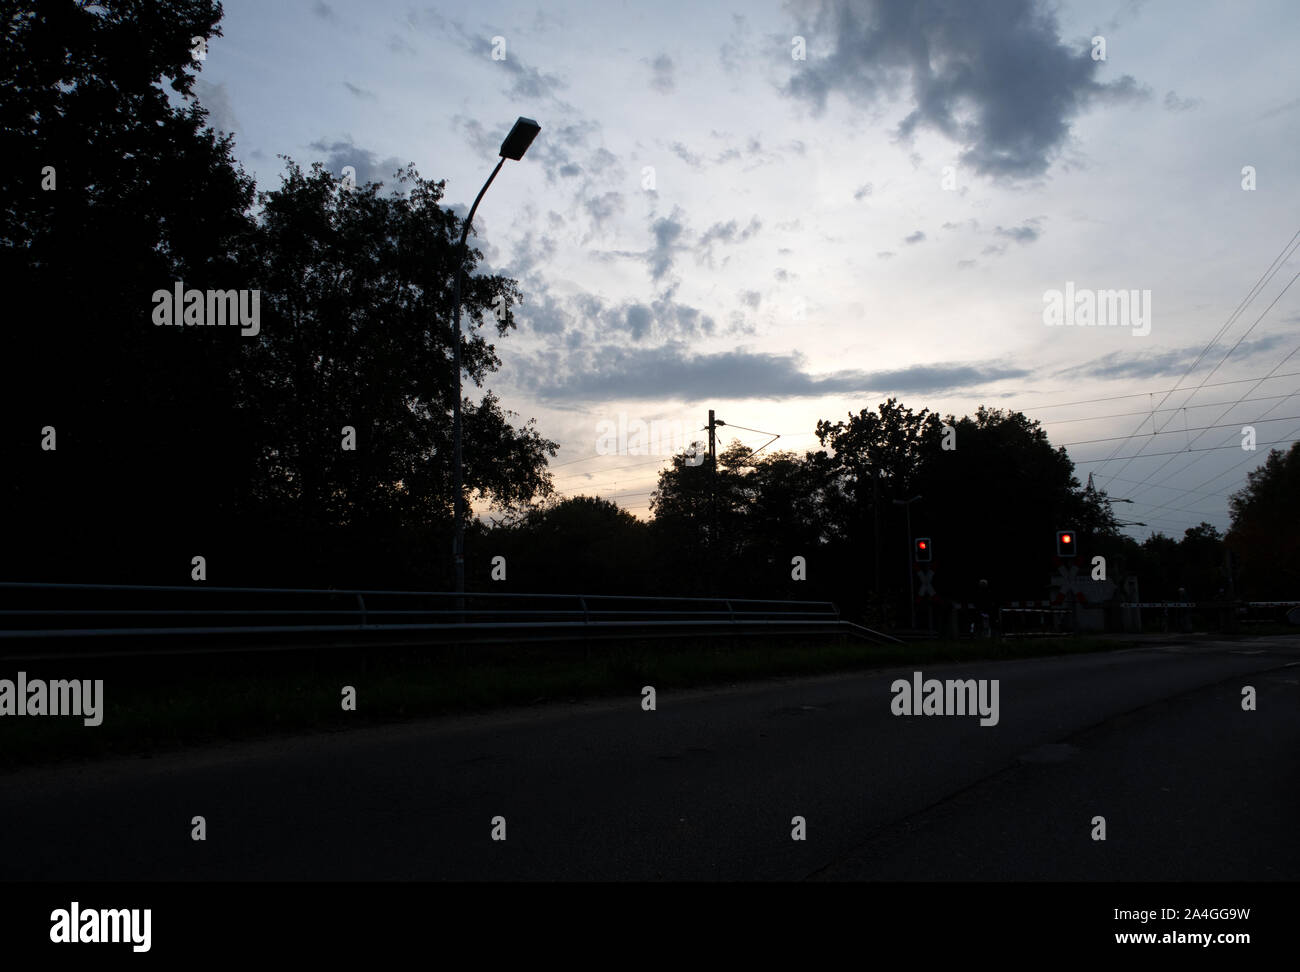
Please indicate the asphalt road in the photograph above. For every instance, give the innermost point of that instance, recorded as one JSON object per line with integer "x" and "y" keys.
{"x": 1153, "y": 739}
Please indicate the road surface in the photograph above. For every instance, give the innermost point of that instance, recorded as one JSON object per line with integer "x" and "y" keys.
{"x": 1153, "y": 739}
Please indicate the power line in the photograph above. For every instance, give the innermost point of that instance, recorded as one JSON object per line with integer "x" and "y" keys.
{"x": 1223, "y": 425}
{"x": 1156, "y": 471}
{"x": 1156, "y": 455}
{"x": 1098, "y": 418}
{"x": 1273, "y": 267}
{"x": 1115, "y": 398}
{"x": 1235, "y": 465}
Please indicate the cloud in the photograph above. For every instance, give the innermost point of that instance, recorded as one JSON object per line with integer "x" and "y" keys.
{"x": 737, "y": 49}
{"x": 555, "y": 148}
{"x": 601, "y": 160}
{"x": 604, "y": 207}
{"x": 676, "y": 370}
{"x": 369, "y": 167}
{"x": 1281, "y": 109}
{"x": 885, "y": 254}
{"x": 483, "y": 143}
{"x": 862, "y": 192}
{"x": 216, "y": 99}
{"x": 1125, "y": 364}
{"x": 587, "y": 319}
{"x": 528, "y": 81}
{"x": 670, "y": 235}
{"x": 751, "y": 298}
{"x": 359, "y": 92}
{"x": 916, "y": 237}
{"x": 1175, "y": 103}
{"x": 323, "y": 10}
{"x": 666, "y": 232}
{"x": 531, "y": 251}
{"x": 686, "y": 155}
{"x": 661, "y": 69}
{"x": 399, "y": 45}
{"x": 728, "y": 232}
{"x": 1021, "y": 234}
{"x": 991, "y": 75}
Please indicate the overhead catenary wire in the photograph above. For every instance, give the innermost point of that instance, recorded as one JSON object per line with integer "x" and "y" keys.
{"x": 1265, "y": 278}
{"x": 1157, "y": 470}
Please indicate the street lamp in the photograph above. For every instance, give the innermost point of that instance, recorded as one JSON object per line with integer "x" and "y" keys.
{"x": 911, "y": 601}
{"x": 513, "y": 148}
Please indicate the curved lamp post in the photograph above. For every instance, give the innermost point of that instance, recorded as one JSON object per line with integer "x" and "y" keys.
{"x": 513, "y": 148}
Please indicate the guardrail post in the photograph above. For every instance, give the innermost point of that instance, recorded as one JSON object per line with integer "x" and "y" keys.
{"x": 361, "y": 603}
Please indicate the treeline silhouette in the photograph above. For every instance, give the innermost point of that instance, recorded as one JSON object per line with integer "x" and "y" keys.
{"x": 317, "y": 452}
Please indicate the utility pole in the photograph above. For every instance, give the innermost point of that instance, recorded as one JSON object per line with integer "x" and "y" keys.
{"x": 875, "y": 520}
{"x": 713, "y": 500}
{"x": 911, "y": 601}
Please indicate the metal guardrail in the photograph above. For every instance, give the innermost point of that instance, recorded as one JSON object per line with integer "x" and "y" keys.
{"x": 98, "y": 611}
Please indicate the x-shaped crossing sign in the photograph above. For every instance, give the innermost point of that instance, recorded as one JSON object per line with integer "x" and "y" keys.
{"x": 1067, "y": 581}
{"x": 927, "y": 587}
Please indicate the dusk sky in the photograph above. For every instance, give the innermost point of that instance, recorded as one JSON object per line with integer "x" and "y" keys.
{"x": 884, "y": 217}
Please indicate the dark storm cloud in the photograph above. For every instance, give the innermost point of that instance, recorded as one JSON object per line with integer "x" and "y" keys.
{"x": 675, "y": 371}
{"x": 992, "y": 75}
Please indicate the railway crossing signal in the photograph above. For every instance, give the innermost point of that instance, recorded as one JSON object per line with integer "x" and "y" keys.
{"x": 921, "y": 550}
{"x": 1067, "y": 543}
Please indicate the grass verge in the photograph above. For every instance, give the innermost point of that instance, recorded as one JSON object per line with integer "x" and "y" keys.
{"x": 163, "y": 704}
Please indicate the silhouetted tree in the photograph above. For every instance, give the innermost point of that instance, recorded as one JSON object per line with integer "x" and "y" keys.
{"x": 1265, "y": 532}
{"x": 109, "y": 192}
{"x": 356, "y": 333}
